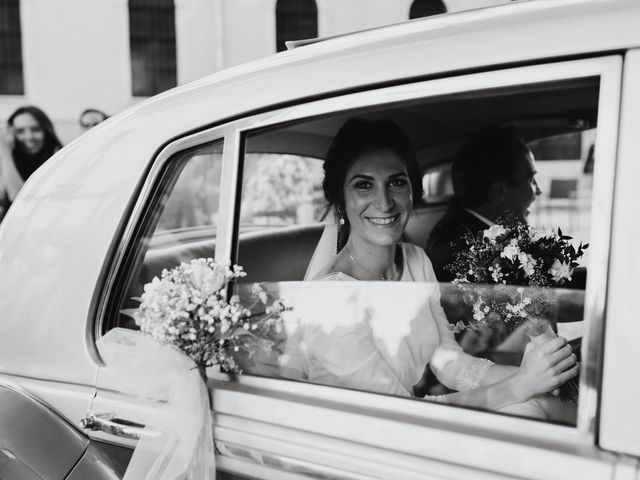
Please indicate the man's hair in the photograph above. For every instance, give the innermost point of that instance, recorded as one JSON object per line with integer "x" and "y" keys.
{"x": 92, "y": 110}
{"x": 487, "y": 157}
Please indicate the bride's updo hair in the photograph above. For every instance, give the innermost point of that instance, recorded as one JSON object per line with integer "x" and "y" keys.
{"x": 356, "y": 137}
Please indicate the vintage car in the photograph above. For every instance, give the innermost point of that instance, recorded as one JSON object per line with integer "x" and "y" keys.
{"x": 231, "y": 167}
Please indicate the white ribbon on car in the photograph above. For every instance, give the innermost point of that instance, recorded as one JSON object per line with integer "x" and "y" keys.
{"x": 182, "y": 443}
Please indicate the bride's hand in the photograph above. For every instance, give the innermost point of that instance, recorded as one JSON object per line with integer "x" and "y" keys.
{"x": 545, "y": 367}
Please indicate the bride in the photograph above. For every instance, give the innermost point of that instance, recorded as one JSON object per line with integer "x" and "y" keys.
{"x": 372, "y": 182}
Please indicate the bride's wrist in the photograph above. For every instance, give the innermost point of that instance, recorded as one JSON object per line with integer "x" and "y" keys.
{"x": 520, "y": 387}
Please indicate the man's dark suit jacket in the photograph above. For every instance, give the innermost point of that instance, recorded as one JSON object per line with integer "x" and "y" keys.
{"x": 446, "y": 238}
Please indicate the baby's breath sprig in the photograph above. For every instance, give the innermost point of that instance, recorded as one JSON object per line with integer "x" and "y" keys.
{"x": 188, "y": 308}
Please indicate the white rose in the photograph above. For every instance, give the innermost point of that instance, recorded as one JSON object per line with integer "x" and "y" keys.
{"x": 206, "y": 279}
{"x": 560, "y": 271}
{"x": 493, "y": 232}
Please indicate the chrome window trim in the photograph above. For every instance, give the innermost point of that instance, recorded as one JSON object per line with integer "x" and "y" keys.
{"x": 228, "y": 192}
{"x": 609, "y": 71}
{"x": 151, "y": 180}
{"x": 601, "y": 227}
{"x": 228, "y": 451}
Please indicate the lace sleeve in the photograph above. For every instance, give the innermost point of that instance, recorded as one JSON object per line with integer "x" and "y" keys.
{"x": 471, "y": 376}
{"x": 452, "y": 366}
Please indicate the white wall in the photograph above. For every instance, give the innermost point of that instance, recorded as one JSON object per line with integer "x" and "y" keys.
{"x": 199, "y": 50}
{"x": 249, "y": 30}
{"x": 75, "y": 55}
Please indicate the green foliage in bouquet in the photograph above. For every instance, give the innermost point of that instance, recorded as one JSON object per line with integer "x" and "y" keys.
{"x": 514, "y": 253}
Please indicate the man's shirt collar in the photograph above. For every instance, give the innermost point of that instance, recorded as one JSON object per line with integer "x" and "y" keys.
{"x": 484, "y": 220}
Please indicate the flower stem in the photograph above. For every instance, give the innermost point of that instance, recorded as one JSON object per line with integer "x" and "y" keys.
{"x": 202, "y": 370}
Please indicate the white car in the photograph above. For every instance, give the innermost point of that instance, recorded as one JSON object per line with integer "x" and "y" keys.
{"x": 230, "y": 166}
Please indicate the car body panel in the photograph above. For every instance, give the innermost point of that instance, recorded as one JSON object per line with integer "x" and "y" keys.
{"x": 101, "y": 461}
{"x": 263, "y": 414}
{"x": 34, "y": 436}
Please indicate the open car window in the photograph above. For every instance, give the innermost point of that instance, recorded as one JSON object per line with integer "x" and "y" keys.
{"x": 336, "y": 334}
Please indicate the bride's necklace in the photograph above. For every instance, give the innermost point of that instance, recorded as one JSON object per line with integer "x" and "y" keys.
{"x": 375, "y": 275}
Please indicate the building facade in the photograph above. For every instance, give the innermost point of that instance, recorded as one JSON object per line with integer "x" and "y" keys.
{"x": 65, "y": 55}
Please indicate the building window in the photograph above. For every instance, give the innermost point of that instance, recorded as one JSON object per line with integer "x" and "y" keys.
{"x": 426, "y": 8}
{"x": 295, "y": 20}
{"x": 11, "y": 81}
{"x": 152, "y": 36}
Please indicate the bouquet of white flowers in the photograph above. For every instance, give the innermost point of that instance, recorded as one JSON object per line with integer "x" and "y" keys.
{"x": 512, "y": 253}
{"x": 516, "y": 265}
{"x": 188, "y": 308}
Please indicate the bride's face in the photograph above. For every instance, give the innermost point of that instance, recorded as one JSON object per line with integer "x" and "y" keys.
{"x": 378, "y": 197}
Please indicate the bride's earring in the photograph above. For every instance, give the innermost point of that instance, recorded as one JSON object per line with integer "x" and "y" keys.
{"x": 341, "y": 237}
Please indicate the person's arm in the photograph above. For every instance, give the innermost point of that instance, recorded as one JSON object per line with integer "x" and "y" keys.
{"x": 10, "y": 180}
{"x": 496, "y": 373}
{"x": 544, "y": 368}
{"x": 480, "y": 382}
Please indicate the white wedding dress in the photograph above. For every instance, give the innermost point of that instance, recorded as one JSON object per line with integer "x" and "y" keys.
{"x": 382, "y": 342}
{"x": 381, "y": 335}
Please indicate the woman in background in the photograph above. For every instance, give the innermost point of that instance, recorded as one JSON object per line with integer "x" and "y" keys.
{"x": 30, "y": 140}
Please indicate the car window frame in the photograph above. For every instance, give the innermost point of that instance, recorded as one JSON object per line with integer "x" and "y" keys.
{"x": 618, "y": 423}
{"x": 155, "y": 182}
{"x": 608, "y": 68}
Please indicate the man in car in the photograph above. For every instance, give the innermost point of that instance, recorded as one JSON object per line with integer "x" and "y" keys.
{"x": 493, "y": 175}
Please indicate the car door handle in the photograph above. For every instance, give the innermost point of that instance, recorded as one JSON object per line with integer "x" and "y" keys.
{"x": 110, "y": 423}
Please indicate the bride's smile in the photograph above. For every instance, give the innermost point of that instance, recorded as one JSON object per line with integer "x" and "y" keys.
{"x": 383, "y": 221}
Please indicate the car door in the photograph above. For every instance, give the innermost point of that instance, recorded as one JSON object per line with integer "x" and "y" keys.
{"x": 266, "y": 426}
